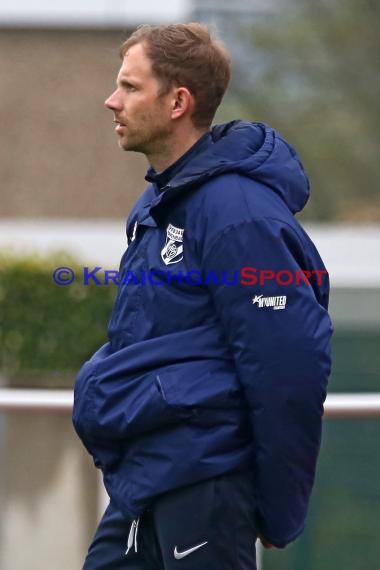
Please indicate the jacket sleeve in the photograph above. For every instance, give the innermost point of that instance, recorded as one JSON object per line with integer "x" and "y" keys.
{"x": 282, "y": 358}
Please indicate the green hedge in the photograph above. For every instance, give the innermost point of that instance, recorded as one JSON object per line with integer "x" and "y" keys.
{"x": 48, "y": 330}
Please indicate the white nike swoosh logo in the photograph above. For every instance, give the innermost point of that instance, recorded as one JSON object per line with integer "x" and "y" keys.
{"x": 179, "y": 555}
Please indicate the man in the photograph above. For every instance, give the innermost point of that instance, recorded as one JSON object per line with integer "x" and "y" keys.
{"x": 204, "y": 409}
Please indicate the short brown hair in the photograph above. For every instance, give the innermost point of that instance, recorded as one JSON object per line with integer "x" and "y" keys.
{"x": 187, "y": 55}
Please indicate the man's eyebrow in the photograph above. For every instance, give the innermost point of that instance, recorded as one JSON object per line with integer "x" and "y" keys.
{"x": 127, "y": 81}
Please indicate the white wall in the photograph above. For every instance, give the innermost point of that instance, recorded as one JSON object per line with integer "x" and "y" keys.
{"x": 350, "y": 253}
{"x": 91, "y": 12}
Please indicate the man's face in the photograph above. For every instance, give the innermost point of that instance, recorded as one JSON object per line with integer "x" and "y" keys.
{"x": 142, "y": 117}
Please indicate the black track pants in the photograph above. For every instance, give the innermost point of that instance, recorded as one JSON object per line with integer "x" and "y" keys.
{"x": 206, "y": 526}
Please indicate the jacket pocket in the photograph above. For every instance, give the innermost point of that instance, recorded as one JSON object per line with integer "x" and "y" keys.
{"x": 201, "y": 384}
{"x": 111, "y": 405}
{"x": 118, "y": 408}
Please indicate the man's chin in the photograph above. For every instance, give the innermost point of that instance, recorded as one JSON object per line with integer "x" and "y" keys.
{"x": 124, "y": 145}
{"x": 131, "y": 146}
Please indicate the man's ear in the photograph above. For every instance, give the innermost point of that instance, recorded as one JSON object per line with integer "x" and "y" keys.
{"x": 183, "y": 102}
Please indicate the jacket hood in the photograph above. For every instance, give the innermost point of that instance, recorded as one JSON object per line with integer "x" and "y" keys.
{"x": 254, "y": 150}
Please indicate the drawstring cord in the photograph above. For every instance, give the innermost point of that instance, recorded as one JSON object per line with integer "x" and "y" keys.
{"x": 136, "y": 529}
{"x": 132, "y": 537}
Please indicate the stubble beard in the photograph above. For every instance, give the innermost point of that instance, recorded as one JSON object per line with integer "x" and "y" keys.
{"x": 154, "y": 142}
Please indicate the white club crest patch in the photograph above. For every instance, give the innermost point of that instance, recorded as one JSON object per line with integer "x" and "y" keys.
{"x": 172, "y": 251}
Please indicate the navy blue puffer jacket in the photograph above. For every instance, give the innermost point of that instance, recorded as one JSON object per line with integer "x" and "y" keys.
{"x": 219, "y": 341}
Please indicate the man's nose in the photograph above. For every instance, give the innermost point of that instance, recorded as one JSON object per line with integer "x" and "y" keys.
{"x": 112, "y": 102}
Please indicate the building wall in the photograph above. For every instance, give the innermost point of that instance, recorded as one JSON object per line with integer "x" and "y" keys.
{"x": 48, "y": 492}
{"x": 59, "y": 153}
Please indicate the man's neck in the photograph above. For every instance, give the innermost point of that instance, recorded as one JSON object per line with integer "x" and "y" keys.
{"x": 165, "y": 157}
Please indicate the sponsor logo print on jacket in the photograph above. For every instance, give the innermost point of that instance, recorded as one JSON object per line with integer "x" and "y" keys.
{"x": 278, "y": 302}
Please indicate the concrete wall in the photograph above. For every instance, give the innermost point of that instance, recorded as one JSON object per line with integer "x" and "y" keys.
{"x": 59, "y": 154}
{"x": 49, "y": 493}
